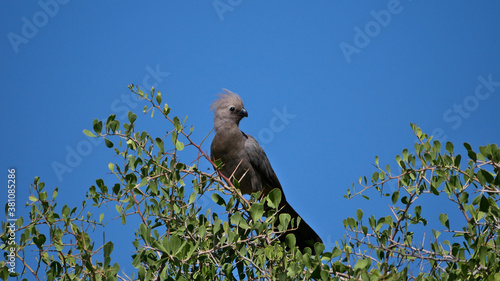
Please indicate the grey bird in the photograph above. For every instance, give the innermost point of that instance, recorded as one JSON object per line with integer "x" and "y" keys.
{"x": 243, "y": 158}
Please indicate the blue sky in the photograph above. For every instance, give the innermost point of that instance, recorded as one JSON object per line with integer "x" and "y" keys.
{"x": 327, "y": 84}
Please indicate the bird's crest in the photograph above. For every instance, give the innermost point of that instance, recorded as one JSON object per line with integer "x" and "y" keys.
{"x": 225, "y": 99}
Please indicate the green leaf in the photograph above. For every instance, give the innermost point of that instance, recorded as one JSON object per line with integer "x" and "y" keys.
{"x": 39, "y": 240}
{"x": 114, "y": 125}
{"x": 372, "y": 221}
{"x": 89, "y": 133}
{"x": 256, "y": 211}
{"x": 418, "y": 211}
{"x": 218, "y": 200}
{"x": 284, "y": 220}
{"x": 159, "y": 143}
{"x": 361, "y": 264}
{"x": 417, "y": 130}
{"x": 131, "y": 117}
{"x": 177, "y": 124}
{"x": 319, "y": 248}
{"x": 380, "y": 223}
{"x": 398, "y": 160}
{"x": 192, "y": 198}
{"x": 158, "y": 97}
{"x": 483, "y": 255}
{"x": 108, "y": 248}
{"x": 395, "y": 197}
{"x": 405, "y": 155}
{"x": 290, "y": 240}
{"x": 443, "y": 218}
{"x": 484, "y": 204}
{"x": 116, "y": 188}
{"x": 359, "y": 214}
{"x": 142, "y": 273}
{"x": 486, "y": 151}
{"x": 306, "y": 259}
{"x": 467, "y": 146}
{"x": 484, "y": 177}
{"x": 174, "y": 243}
{"x": 97, "y": 125}
{"x": 19, "y": 222}
{"x": 336, "y": 252}
{"x": 108, "y": 143}
{"x": 274, "y": 198}
{"x": 418, "y": 148}
{"x": 456, "y": 162}
{"x": 238, "y": 220}
{"x": 143, "y": 182}
{"x": 436, "y": 146}
{"x": 449, "y": 147}
{"x": 179, "y": 145}
{"x": 375, "y": 177}
{"x": 166, "y": 109}
{"x": 470, "y": 153}
{"x": 111, "y": 166}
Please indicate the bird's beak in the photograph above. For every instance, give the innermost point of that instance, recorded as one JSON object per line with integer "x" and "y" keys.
{"x": 243, "y": 113}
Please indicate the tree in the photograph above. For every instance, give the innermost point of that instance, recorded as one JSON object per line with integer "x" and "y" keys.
{"x": 177, "y": 241}
{"x": 386, "y": 246}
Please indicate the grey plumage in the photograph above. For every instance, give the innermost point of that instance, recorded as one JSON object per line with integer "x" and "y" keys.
{"x": 245, "y": 159}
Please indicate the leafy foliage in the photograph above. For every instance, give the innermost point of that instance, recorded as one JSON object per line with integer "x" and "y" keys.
{"x": 177, "y": 240}
{"x": 388, "y": 244}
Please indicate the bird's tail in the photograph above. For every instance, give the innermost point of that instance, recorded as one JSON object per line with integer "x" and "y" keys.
{"x": 305, "y": 236}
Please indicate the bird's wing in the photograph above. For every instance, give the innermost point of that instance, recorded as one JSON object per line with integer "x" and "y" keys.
{"x": 304, "y": 234}
{"x": 260, "y": 163}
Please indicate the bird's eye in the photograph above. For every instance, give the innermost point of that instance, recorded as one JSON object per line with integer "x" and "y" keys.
{"x": 231, "y": 108}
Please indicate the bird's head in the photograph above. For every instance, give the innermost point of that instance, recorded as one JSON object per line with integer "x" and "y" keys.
{"x": 228, "y": 109}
